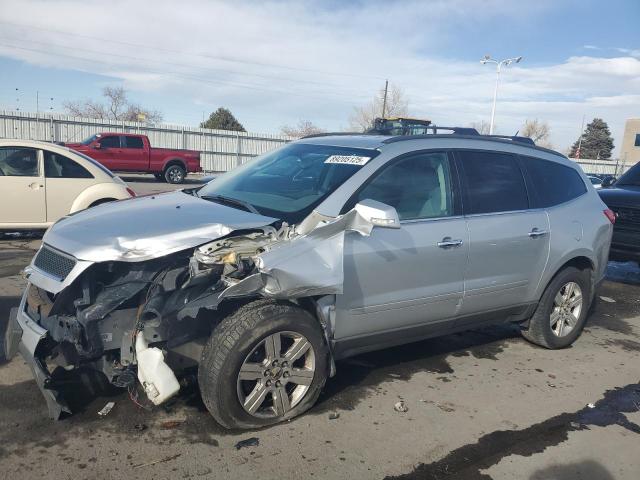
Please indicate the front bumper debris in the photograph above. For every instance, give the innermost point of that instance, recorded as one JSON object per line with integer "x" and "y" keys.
{"x": 32, "y": 336}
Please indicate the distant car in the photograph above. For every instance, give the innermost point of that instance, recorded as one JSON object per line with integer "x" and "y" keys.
{"x": 623, "y": 197}
{"x": 126, "y": 152}
{"x": 41, "y": 182}
{"x": 595, "y": 181}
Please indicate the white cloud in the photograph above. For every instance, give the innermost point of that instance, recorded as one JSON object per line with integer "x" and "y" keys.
{"x": 276, "y": 62}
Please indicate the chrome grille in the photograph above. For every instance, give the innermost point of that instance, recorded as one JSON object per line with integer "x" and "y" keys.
{"x": 54, "y": 263}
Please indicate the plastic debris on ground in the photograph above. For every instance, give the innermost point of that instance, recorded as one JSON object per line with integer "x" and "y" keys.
{"x": 334, "y": 415}
{"x": 607, "y": 299}
{"x": 400, "y": 407}
{"x": 106, "y": 409}
{"x": 249, "y": 442}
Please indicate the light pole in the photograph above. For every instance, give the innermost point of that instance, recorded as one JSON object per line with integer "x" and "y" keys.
{"x": 506, "y": 61}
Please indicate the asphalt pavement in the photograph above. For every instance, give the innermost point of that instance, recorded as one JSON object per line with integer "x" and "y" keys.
{"x": 483, "y": 404}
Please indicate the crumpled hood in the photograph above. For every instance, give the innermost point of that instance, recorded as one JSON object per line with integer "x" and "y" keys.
{"x": 147, "y": 227}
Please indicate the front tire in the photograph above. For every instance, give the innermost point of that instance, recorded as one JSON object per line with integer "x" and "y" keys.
{"x": 562, "y": 311}
{"x": 175, "y": 174}
{"x": 264, "y": 364}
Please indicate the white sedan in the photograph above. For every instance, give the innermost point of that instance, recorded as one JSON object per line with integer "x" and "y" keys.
{"x": 41, "y": 182}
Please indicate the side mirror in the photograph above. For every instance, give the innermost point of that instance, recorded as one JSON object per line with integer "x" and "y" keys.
{"x": 608, "y": 181}
{"x": 97, "y": 146}
{"x": 378, "y": 213}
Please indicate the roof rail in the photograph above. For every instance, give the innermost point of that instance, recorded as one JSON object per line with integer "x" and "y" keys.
{"x": 514, "y": 138}
{"x": 331, "y": 134}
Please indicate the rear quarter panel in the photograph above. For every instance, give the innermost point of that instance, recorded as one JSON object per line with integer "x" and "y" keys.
{"x": 578, "y": 228}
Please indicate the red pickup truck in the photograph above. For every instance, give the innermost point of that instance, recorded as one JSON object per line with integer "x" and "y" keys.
{"x": 128, "y": 152}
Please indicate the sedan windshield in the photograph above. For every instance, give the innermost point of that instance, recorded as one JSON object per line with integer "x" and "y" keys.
{"x": 289, "y": 182}
{"x": 632, "y": 177}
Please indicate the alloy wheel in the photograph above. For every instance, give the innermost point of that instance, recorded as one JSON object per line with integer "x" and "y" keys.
{"x": 567, "y": 306}
{"x": 276, "y": 375}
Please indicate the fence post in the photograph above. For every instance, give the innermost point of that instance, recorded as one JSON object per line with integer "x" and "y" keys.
{"x": 238, "y": 150}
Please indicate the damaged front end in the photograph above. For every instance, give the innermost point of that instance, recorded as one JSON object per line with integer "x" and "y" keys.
{"x": 147, "y": 320}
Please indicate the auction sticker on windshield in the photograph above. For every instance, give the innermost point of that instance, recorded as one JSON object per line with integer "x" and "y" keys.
{"x": 347, "y": 159}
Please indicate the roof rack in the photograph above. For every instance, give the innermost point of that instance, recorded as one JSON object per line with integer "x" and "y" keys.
{"x": 463, "y": 131}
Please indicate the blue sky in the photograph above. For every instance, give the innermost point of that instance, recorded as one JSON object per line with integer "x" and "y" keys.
{"x": 274, "y": 63}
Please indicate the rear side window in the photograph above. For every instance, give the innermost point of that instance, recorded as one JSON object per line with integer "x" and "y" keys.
{"x": 553, "y": 182}
{"x": 133, "y": 142}
{"x": 110, "y": 142}
{"x": 493, "y": 182}
{"x": 59, "y": 166}
{"x": 18, "y": 162}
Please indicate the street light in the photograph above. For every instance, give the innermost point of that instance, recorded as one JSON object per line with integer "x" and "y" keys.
{"x": 506, "y": 61}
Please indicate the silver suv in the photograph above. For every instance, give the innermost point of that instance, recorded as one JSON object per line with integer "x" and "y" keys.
{"x": 325, "y": 248}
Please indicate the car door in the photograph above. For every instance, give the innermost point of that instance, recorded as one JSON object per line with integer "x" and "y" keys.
{"x": 396, "y": 279}
{"x": 508, "y": 240}
{"x": 65, "y": 180}
{"x": 110, "y": 152}
{"x": 133, "y": 153}
{"x": 22, "y": 186}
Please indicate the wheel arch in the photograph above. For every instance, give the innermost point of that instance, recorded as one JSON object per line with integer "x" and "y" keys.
{"x": 580, "y": 260}
{"x": 174, "y": 161}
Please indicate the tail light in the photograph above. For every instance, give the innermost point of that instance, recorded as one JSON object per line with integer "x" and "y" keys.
{"x": 610, "y": 214}
{"x": 131, "y": 192}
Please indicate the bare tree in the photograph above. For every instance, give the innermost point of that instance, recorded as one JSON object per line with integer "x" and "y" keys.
{"x": 538, "y": 131}
{"x": 397, "y": 105}
{"x": 482, "y": 127}
{"x": 116, "y": 107}
{"x": 302, "y": 129}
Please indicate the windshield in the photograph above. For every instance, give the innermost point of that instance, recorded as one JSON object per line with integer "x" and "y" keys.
{"x": 632, "y": 177}
{"x": 90, "y": 139}
{"x": 291, "y": 181}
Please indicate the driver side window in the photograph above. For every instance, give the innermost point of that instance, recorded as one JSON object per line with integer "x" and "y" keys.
{"x": 418, "y": 187}
{"x": 112, "y": 141}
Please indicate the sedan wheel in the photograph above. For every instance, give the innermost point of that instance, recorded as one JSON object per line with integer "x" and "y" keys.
{"x": 276, "y": 375}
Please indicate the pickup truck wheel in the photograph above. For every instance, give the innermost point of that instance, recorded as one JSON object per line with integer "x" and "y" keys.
{"x": 174, "y": 174}
{"x": 562, "y": 311}
{"x": 264, "y": 364}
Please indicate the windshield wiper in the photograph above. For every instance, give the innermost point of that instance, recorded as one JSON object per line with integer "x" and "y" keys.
{"x": 231, "y": 201}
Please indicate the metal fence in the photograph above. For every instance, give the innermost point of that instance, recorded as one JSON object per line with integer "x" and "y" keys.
{"x": 613, "y": 167}
{"x": 221, "y": 150}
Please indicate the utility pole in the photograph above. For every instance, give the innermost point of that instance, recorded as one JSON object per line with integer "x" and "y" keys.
{"x": 37, "y": 102}
{"x": 580, "y": 139}
{"x": 384, "y": 100}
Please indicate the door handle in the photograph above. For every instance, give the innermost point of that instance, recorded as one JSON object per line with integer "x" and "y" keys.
{"x": 535, "y": 233}
{"x": 35, "y": 186}
{"x": 449, "y": 242}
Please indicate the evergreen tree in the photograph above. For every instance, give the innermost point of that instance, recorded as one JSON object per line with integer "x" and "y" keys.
{"x": 597, "y": 142}
{"x": 223, "y": 119}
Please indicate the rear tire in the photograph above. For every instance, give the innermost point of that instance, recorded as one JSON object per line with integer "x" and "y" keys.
{"x": 175, "y": 174}
{"x": 237, "y": 374}
{"x": 562, "y": 311}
